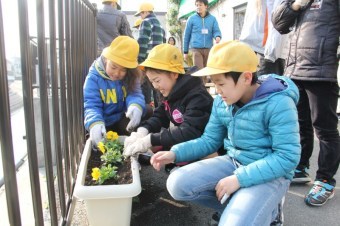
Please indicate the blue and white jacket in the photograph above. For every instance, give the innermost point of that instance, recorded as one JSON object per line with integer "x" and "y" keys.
{"x": 105, "y": 101}
{"x": 263, "y": 135}
{"x": 193, "y": 36}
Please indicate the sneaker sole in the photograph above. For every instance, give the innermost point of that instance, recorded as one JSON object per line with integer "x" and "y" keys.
{"x": 301, "y": 180}
{"x": 321, "y": 204}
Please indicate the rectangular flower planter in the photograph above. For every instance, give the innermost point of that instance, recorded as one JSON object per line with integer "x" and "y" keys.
{"x": 107, "y": 205}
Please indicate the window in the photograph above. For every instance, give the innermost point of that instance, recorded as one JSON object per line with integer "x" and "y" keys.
{"x": 239, "y": 13}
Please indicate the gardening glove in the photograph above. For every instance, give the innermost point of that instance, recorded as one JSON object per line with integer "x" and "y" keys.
{"x": 302, "y": 3}
{"x": 141, "y": 132}
{"x": 141, "y": 145}
{"x": 135, "y": 115}
{"x": 97, "y": 134}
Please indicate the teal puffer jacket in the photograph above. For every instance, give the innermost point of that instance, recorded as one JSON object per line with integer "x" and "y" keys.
{"x": 263, "y": 135}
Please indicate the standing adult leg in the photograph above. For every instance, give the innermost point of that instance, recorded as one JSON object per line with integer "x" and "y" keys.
{"x": 323, "y": 97}
{"x": 205, "y": 54}
{"x": 306, "y": 128}
{"x": 198, "y": 61}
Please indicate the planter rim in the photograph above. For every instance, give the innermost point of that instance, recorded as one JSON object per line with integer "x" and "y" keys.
{"x": 105, "y": 191}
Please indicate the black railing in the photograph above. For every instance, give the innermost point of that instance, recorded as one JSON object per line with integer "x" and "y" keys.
{"x": 66, "y": 47}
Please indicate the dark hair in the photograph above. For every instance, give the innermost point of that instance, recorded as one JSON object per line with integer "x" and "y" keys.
{"x": 171, "y": 37}
{"x": 236, "y": 75}
{"x": 205, "y": 2}
{"x": 131, "y": 78}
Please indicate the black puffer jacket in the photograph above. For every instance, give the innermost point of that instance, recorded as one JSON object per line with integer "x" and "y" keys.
{"x": 188, "y": 107}
{"x": 313, "y": 46}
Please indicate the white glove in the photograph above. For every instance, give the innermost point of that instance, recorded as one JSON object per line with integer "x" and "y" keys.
{"x": 141, "y": 132}
{"x": 141, "y": 145}
{"x": 97, "y": 134}
{"x": 135, "y": 115}
{"x": 302, "y": 3}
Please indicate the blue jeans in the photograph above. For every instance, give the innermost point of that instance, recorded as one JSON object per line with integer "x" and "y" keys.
{"x": 255, "y": 205}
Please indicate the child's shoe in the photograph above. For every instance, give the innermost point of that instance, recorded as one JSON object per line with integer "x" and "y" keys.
{"x": 301, "y": 176}
{"x": 279, "y": 217}
{"x": 144, "y": 158}
{"x": 215, "y": 219}
{"x": 169, "y": 168}
{"x": 319, "y": 193}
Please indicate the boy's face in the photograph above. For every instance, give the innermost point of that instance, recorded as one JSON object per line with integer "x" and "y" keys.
{"x": 228, "y": 90}
{"x": 115, "y": 71}
{"x": 200, "y": 7}
{"x": 144, "y": 14}
{"x": 163, "y": 82}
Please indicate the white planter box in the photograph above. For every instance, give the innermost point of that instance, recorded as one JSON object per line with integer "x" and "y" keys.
{"x": 107, "y": 205}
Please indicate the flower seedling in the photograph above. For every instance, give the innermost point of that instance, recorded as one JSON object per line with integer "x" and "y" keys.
{"x": 111, "y": 150}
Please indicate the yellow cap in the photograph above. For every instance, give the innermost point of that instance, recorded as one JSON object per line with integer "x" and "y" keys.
{"x": 118, "y": 6}
{"x": 165, "y": 57}
{"x": 144, "y": 7}
{"x": 229, "y": 56}
{"x": 123, "y": 50}
{"x": 137, "y": 23}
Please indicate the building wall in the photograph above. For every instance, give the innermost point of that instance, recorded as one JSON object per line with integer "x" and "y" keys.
{"x": 229, "y": 14}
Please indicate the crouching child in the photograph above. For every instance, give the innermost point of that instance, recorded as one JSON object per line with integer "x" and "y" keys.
{"x": 256, "y": 120}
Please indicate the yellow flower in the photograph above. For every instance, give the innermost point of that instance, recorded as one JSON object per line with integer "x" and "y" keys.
{"x": 101, "y": 147}
{"x": 111, "y": 136}
{"x": 95, "y": 173}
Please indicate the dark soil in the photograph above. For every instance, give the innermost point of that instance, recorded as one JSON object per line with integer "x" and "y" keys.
{"x": 124, "y": 171}
{"x": 154, "y": 206}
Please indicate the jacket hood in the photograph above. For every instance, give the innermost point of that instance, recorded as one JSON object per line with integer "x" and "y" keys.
{"x": 270, "y": 84}
{"x": 184, "y": 84}
{"x": 98, "y": 68}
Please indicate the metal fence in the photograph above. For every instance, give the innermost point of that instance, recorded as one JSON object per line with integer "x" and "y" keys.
{"x": 65, "y": 48}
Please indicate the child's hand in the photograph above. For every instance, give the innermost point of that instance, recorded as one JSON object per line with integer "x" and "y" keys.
{"x": 135, "y": 115}
{"x": 161, "y": 158}
{"x": 141, "y": 145}
{"x": 97, "y": 134}
{"x": 227, "y": 185}
{"x": 141, "y": 132}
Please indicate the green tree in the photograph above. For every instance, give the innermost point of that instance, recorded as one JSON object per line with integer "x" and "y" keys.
{"x": 174, "y": 25}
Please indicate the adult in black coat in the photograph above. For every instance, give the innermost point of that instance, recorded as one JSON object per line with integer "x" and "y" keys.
{"x": 312, "y": 64}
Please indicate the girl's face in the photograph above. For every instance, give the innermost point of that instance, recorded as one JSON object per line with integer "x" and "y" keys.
{"x": 163, "y": 82}
{"x": 228, "y": 90}
{"x": 115, "y": 71}
{"x": 171, "y": 41}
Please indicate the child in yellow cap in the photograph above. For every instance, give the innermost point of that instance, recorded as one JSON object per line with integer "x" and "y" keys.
{"x": 256, "y": 120}
{"x": 186, "y": 103}
{"x": 137, "y": 23}
{"x": 112, "y": 87}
